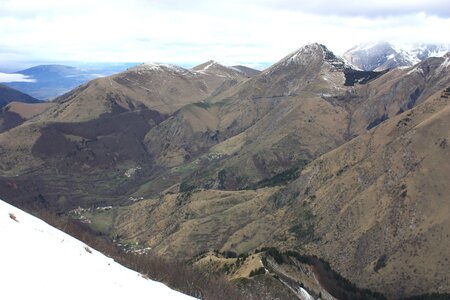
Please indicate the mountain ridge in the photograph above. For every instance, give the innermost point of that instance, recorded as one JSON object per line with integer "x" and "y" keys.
{"x": 8, "y": 94}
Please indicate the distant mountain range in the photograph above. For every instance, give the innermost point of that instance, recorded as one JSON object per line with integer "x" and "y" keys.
{"x": 379, "y": 56}
{"x": 46, "y": 82}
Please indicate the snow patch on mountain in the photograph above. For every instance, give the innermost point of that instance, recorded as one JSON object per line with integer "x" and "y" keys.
{"x": 304, "y": 55}
{"x": 444, "y": 65}
{"x": 38, "y": 261}
{"x": 304, "y": 295}
{"x": 210, "y": 64}
{"x": 415, "y": 70}
{"x": 160, "y": 67}
{"x": 217, "y": 69}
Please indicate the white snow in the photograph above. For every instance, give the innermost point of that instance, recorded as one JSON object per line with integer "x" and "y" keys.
{"x": 236, "y": 70}
{"x": 415, "y": 69}
{"x": 152, "y": 66}
{"x": 367, "y": 46}
{"x": 409, "y": 56}
{"x": 391, "y": 56}
{"x": 304, "y": 295}
{"x": 444, "y": 65}
{"x": 348, "y": 64}
{"x": 446, "y": 62}
{"x": 212, "y": 63}
{"x": 38, "y": 261}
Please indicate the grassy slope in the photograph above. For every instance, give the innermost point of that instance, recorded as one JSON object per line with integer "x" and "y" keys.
{"x": 387, "y": 193}
{"x": 368, "y": 199}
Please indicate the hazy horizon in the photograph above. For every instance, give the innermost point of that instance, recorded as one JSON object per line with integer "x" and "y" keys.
{"x": 255, "y": 33}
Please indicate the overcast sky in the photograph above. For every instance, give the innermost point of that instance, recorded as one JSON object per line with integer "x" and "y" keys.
{"x": 190, "y": 32}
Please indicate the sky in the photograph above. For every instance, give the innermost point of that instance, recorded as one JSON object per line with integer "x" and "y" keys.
{"x": 250, "y": 32}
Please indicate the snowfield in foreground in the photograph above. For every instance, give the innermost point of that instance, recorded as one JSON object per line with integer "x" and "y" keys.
{"x": 38, "y": 261}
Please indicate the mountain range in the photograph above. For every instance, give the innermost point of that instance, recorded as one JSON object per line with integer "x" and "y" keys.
{"x": 313, "y": 155}
{"x": 380, "y": 56}
{"x": 46, "y": 82}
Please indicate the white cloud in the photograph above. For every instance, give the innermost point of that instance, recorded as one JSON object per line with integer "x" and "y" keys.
{"x": 184, "y": 32}
{"x": 368, "y": 8}
{"x": 5, "y": 77}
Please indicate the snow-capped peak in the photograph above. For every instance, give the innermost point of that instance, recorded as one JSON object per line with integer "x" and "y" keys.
{"x": 384, "y": 55}
{"x": 39, "y": 261}
{"x": 308, "y": 50}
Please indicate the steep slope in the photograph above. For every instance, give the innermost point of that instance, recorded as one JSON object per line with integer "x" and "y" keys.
{"x": 8, "y": 95}
{"x": 381, "y": 203}
{"x": 381, "y": 56}
{"x": 42, "y": 262}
